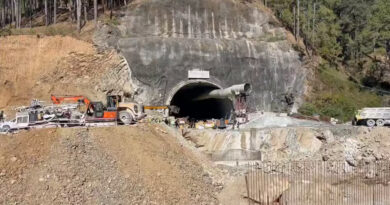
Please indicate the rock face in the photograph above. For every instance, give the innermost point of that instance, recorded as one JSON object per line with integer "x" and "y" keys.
{"x": 237, "y": 42}
{"x": 346, "y": 144}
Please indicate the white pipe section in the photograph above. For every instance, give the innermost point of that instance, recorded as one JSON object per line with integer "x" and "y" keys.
{"x": 227, "y": 92}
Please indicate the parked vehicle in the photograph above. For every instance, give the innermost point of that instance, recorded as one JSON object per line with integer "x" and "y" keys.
{"x": 20, "y": 122}
{"x": 116, "y": 109}
{"x": 372, "y": 117}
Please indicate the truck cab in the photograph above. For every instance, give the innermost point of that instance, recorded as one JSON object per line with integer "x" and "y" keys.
{"x": 116, "y": 110}
{"x": 128, "y": 112}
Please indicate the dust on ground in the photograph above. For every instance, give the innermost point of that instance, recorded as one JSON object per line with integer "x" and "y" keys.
{"x": 116, "y": 165}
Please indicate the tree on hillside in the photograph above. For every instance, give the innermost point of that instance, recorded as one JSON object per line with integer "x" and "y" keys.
{"x": 46, "y": 14}
{"x": 327, "y": 31}
{"x": 2, "y": 14}
{"x": 298, "y": 20}
{"x": 380, "y": 25}
{"x": 78, "y": 17}
{"x": 95, "y": 11}
{"x": 354, "y": 16}
{"x": 55, "y": 12}
{"x": 85, "y": 5}
{"x": 14, "y": 13}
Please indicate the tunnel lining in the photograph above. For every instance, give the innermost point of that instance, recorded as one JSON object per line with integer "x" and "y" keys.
{"x": 182, "y": 84}
{"x": 185, "y": 96}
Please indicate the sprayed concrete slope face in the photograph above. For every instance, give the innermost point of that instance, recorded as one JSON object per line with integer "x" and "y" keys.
{"x": 237, "y": 42}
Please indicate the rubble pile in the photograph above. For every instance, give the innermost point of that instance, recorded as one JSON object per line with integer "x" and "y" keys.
{"x": 351, "y": 144}
{"x": 115, "y": 165}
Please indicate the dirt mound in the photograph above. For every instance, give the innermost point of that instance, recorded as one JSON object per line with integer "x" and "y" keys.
{"x": 24, "y": 59}
{"x": 91, "y": 75}
{"x": 121, "y": 165}
{"x": 35, "y": 67}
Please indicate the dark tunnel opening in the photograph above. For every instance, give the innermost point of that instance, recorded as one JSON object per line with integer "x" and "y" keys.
{"x": 190, "y": 107}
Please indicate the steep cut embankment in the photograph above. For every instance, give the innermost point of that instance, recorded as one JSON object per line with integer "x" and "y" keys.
{"x": 35, "y": 67}
{"x": 24, "y": 59}
{"x": 116, "y": 165}
{"x": 236, "y": 41}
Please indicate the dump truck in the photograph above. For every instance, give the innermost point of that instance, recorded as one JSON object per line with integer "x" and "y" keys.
{"x": 371, "y": 117}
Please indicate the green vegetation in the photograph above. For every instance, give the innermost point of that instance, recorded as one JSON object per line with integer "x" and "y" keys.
{"x": 346, "y": 31}
{"x": 349, "y": 34}
{"x": 60, "y": 29}
{"x": 5, "y": 32}
{"x": 113, "y": 21}
{"x": 341, "y": 98}
{"x": 47, "y": 31}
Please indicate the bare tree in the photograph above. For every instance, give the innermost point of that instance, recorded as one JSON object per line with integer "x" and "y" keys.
{"x": 298, "y": 17}
{"x": 70, "y": 6}
{"x": 298, "y": 8}
{"x": 46, "y": 14}
{"x": 295, "y": 22}
{"x": 111, "y": 8}
{"x": 11, "y": 12}
{"x": 20, "y": 14}
{"x": 78, "y": 5}
{"x": 55, "y": 11}
{"x": 16, "y": 7}
{"x": 3, "y": 9}
{"x": 32, "y": 4}
{"x": 314, "y": 22}
{"x": 95, "y": 11}
{"x": 15, "y": 16}
{"x": 85, "y": 11}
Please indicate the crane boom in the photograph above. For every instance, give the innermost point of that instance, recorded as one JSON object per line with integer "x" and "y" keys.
{"x": 74, "y": 99}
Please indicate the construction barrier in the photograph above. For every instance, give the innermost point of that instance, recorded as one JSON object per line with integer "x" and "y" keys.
{"x": 318, "y": 183}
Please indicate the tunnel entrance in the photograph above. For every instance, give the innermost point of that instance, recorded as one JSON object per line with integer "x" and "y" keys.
{"x": 186, "y": 99}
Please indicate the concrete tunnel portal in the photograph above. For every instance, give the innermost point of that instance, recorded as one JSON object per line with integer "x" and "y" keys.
{"x": 186, "y": 97}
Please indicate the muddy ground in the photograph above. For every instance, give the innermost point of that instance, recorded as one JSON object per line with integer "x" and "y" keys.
{"x": 116, "y": 165}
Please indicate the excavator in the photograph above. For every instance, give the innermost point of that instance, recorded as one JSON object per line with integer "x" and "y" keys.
{"x": 115, "y": 110}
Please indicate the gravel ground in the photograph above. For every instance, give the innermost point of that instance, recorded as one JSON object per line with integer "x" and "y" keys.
{"x": 117, "y": 165}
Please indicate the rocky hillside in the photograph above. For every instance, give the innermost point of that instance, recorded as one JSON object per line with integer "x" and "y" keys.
{"x": 236, "y": 41}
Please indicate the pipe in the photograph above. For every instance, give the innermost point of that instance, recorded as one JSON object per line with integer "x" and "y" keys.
{"x": 227, "y": 92}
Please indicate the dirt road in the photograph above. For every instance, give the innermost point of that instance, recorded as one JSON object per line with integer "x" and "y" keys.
{"x": 116, "y": 165}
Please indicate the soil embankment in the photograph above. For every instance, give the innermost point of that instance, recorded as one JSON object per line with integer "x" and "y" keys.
{"x": 33, "y": 67}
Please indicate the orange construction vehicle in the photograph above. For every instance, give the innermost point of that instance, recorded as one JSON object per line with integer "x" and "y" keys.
{"x": 69, "y": 99}
{"x": 116, "y": 109}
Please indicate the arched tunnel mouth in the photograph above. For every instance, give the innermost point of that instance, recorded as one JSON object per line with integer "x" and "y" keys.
{"x": 189, "y": 106}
